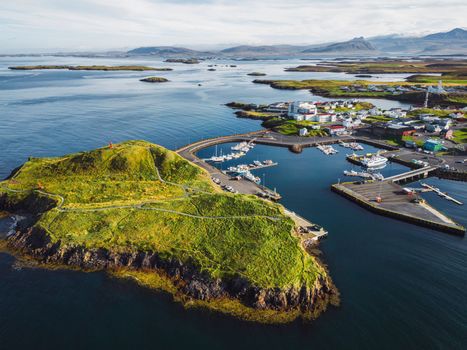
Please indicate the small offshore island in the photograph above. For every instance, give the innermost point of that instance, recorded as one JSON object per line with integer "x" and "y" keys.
{"x": 139, "y": 210}
{"x": 154, "y": 80}
{"x": 182, "y": 60}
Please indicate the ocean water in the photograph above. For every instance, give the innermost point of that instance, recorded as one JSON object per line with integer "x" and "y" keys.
{"x": 402, "y": 286}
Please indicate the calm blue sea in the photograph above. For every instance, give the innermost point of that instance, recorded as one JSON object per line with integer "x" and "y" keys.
{"x": 402, "y": 286}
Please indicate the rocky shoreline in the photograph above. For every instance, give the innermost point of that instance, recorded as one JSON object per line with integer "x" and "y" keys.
{"x": 34, "y": 243}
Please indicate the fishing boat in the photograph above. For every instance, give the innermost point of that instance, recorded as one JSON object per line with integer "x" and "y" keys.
{"x": 373, "y": 161}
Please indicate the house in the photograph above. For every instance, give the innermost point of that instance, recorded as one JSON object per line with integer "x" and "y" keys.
{"x": 432, "y": 145}
{"x": 302, "y": 110}
{"x": 428, "y": 117}
{"x": 362, "y": 113}
{"x": 323, "y": 118}
{"x": 444, "y": 123}
{"x": 456, "y": 115}
{"x": 433, "y": 128}
{"x": 347, "y": 123}
{"x": 438, "y": 89}
{"x": 335, "y": 130}
{"x": 395, "y": 113}
{"x": 392, "y": 130}
{"x": 410, "y": 144}
{"x": 278, "y": 107}
{"x": 303, "y": 132}
{"x": 447, "y": 134}
{"x": 374, "y": 111}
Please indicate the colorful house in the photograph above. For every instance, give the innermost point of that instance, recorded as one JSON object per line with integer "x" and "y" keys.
{"x": 432, "y": 145}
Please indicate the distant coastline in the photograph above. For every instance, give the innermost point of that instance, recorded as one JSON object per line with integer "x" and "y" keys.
{"x": 93, "y": 67}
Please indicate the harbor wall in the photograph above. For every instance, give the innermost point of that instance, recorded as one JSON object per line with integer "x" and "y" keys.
{"x": 451, "y": 175}
{"x": 349, "y": 194}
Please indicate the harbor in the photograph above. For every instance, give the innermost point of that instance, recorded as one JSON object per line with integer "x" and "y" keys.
{"x": 381, "y": 195}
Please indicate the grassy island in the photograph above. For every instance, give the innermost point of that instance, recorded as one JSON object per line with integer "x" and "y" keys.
{"x": 139, "y": 210}
{"x": 154, "y": 80}
{"x": 94, "y": 67}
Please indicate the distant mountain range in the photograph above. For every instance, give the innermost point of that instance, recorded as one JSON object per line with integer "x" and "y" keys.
{"x": 359, "y": 45}
{"x": 449, "y": 43}
{"x": 453, "y": 42}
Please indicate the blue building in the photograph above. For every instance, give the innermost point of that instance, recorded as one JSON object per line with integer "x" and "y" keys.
{"x": 433, "y": 145}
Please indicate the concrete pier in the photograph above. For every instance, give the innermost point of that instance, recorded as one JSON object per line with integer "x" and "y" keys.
{"x": 397, "y": 204}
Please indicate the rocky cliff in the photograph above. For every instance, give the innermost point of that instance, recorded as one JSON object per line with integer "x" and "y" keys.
{"x": 187, "y": 278}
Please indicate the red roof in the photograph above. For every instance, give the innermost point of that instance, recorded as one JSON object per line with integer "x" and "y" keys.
{"x": 335, "y": 127}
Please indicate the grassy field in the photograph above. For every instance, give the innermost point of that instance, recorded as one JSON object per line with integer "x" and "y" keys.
{"x": 292, "y": 127}
{"x": 93, "y": 67}
{"x": 460, "y": 135}
{"x": 442, "y": 113}
{"x": 138, "y": 196}
{"x": 256, "y": 115}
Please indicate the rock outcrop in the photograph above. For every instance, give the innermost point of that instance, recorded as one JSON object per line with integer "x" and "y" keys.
{"x": 187, "y": 278}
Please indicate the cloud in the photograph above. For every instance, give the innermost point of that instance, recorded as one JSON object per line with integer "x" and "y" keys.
{"x": 103, "y": 24}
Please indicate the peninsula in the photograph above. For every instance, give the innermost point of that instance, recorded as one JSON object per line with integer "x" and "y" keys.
{"x": 384, "y": 66}
{"x": 94, "y": 67}
{"x": 414, "y": 90}
{"x": 138, "y": 210}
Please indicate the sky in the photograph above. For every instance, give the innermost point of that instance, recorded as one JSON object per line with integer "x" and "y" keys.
{"x": 80, "y": 25}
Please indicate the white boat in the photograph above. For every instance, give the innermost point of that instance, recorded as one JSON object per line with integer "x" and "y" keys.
{"x": 239, "y": 146}
{"x": 355, "y": 146}
{"x": 249, "y": 176}
{"x": 374, "y": 161}
{"x": 326, "y": 149}
{"x": 216, "y": 159}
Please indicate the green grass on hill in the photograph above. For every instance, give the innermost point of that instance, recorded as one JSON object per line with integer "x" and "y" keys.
{"x": 460, "y": 135}
{"x": 442, "y": 113}
{"x": 115, "y": 199}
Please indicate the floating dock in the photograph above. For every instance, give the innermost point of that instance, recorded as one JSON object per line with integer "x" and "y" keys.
{"x": 441, "y": 194}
